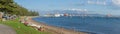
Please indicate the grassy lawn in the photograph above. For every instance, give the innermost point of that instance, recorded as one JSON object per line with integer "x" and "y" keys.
{"x": 21, "y": 28}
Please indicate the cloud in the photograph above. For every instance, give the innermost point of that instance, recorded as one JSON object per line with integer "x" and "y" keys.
{"x": 116, "y": 2}
{"x": 97, "y": 2}
{"x": 75, "y": 9}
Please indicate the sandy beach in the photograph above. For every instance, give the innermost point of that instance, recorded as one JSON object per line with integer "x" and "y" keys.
{"x": 53, "y": 29}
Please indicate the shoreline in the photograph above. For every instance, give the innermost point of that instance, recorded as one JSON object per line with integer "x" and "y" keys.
{"x": 53, "y": 29}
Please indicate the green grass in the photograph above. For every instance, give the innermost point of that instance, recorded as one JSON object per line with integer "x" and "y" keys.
{"x": 21, "y": 28}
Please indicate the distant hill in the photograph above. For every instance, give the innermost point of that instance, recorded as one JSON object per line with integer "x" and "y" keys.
{"x": 75, "y": 12}
{"x": 63, "y": 11}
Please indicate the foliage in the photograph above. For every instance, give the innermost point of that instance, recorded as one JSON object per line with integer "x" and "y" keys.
{"x": 21, "y": 28}
{"x": 33, "y": 13}
{"x": 10, "y": 7}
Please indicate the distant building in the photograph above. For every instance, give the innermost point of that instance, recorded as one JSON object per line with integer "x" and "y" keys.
{"x": 57, "y": 15}
{"x": 48, "y": 15}
{"x": 108, "y": 15}
{"x": 66, "y": 14}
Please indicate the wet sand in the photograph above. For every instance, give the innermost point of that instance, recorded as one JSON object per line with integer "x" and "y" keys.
{"x": 53, "y": 29}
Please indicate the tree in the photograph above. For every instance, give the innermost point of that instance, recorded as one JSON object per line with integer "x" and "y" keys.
{"x": 10, "y": 7}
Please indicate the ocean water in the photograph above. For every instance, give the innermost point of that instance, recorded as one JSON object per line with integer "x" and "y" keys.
{"x": 94, "y": 25}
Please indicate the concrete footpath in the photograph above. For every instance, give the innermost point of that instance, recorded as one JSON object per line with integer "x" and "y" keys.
{"x": 6, "y": 29}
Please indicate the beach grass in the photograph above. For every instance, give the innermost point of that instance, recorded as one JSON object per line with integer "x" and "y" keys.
{"x": 21, "y": 28}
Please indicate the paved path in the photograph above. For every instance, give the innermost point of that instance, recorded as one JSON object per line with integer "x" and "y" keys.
{"x": 6, "y": 29}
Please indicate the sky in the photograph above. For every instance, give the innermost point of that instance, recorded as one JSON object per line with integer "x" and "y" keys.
{"x": 91, "y": 6}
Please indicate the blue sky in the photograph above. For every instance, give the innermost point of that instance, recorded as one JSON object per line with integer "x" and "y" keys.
{"x": 91, "y": 6}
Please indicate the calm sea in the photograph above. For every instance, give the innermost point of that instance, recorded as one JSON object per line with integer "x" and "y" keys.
{"x": 95, "y": 25}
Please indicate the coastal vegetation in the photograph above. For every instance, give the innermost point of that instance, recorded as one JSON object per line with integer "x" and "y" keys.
{"x": 21, "y": 28}
{"x": 10, "y": 7}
